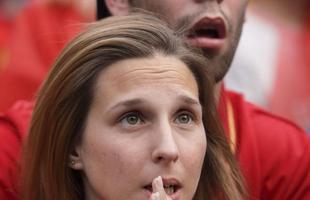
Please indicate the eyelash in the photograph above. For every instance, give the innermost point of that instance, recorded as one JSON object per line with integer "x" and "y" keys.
{"x": 141, "y": 119}
{"x": 129, "y": 114}
{"x": 191, "y": 116}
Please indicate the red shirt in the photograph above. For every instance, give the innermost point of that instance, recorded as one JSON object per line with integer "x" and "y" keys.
{"x": 6, "y": 27}
{"x": 290, "y": 96}
{"x": 13, "y": 130}
{"x": 273, "y": 153}
{"x": 40, "y": 32}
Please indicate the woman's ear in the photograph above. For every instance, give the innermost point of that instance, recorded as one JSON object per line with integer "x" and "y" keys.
{"x": 118, "y": 7}
{"x": 75, "y": 161}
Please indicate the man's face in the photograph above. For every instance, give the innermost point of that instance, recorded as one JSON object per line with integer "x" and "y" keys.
{"x": 213, "y": 25}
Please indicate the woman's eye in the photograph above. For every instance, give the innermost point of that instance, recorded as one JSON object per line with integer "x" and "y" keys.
{"x": 131, "y": 119}
{"x": 184, "y": 118}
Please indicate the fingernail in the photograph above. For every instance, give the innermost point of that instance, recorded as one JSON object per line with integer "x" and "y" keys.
{"x": 159, "y": 182}
{"x": 155, "y": 196}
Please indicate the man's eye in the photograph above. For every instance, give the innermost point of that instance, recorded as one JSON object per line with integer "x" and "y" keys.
{"x": 131, "y": 119}
{"x": 184, "y": 118}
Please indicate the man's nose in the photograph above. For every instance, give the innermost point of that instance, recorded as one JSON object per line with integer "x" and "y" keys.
{"x": 166, "y": 148}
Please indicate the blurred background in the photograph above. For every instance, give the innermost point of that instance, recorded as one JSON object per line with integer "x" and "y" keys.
{"x": 272, "y": 64}
{"x": 271, "y": 67}
{"x": 32, "y": 34}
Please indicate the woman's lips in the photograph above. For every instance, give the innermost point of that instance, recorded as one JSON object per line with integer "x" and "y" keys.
{"x": 172, "y": 188}
{"x": 175, "y": 196}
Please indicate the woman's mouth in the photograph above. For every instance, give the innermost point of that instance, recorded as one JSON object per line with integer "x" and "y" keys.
{"x": 171, "y": 187}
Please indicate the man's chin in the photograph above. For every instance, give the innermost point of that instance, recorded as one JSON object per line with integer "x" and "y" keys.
{"x": 218, "y": 63}
{"x": 212, "y": 54}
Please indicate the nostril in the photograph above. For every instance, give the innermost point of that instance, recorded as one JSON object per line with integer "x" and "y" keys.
{"x": 160, "y": 158}
{"x": 165, "y": 156}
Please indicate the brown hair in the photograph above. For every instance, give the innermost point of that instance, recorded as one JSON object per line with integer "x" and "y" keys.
{"x": 66, "y": 96}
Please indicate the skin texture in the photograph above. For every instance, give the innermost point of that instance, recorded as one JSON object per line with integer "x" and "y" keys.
{"x": 137, "y": 130}
{"x": 189, "y": 12}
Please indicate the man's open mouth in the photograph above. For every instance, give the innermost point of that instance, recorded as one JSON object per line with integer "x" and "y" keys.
{"x": 208, "y": 33}
{"x": 213, "y": 28}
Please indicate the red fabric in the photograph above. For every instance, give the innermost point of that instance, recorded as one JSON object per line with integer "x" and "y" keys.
{"x": 5, "y": 31}
{"x": 5, "y": 40}
{"x": 273, "y": 153}
{"x": 13, "y": 129}
{"x": 291, "y": 92}
{"x": 41, "y": 32}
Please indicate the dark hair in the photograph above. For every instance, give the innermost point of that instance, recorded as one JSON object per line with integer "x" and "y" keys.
{"x": 67, "y": 94}
{"x": 102, "y": 10}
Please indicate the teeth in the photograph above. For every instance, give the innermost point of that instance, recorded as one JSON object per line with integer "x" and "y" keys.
{"x": 169, "y": 189}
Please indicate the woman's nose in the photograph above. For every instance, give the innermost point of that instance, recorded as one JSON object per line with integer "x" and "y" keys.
{"x": 166, "y": 147}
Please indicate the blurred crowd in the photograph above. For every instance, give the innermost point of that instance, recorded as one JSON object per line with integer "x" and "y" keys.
{"x": 32, "y": 34}
{"x": 272, "y": 64}
{"x": 271, "y": 68}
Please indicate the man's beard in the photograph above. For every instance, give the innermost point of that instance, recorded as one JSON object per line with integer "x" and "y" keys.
{"x": 226, "y": 59}
{"x": 219, "y": 61}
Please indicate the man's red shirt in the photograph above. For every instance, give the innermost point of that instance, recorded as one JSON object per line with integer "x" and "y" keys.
{"x": 273, "y": 153}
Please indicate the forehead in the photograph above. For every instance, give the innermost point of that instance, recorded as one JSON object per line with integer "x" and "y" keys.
{"x": 158, "y": 71}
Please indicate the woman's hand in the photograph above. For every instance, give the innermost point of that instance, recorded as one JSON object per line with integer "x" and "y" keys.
{"x": 159, "y": 192}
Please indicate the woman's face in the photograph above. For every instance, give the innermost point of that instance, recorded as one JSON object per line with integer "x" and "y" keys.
{"x": 145, "y": 121}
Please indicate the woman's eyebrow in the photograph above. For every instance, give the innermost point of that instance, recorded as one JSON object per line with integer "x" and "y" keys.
{"x": 189, "y": 100}
{"x": 138, "y": 101}
{"x": 127, "y": 103}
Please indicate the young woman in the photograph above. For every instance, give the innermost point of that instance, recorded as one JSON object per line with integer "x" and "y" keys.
{"x": 127, "y": 112}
